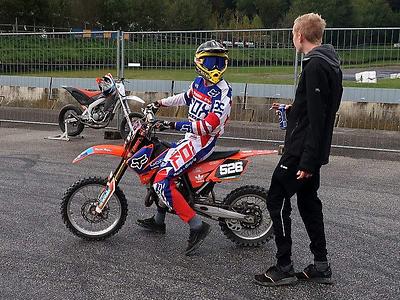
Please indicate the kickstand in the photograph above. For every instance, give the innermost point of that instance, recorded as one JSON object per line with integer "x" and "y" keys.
{"x": 64, "y": 136}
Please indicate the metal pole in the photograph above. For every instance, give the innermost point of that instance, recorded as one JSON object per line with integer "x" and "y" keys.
{"x": 122, "y": 55}
{"x": 118, "y": 52}
{"x": 172, "y": 87}
{"x": 296, "y": 67}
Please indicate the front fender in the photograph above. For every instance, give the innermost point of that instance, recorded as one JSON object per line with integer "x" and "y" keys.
{"x": 115, "y": 150}
{"x": 134, "y": 98}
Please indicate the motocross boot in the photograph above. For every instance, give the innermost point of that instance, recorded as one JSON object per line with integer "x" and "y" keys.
{"x": 150, "y": 224}
{"x": 197, "y": 237}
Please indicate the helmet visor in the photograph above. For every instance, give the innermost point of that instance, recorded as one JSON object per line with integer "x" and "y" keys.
{"x": 214, "y": 62}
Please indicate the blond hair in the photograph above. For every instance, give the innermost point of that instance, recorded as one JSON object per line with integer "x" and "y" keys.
{"x": 311, "y": 26}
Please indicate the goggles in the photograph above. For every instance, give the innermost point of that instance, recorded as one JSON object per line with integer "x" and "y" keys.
{"x": 214, "y": 62}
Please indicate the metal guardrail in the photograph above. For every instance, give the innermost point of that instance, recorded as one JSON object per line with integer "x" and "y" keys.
{"x": 277, "y": 91}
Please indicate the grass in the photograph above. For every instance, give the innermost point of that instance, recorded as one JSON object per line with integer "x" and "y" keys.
{"x": 262, "y": 75}
{"x": 382, "y": 84}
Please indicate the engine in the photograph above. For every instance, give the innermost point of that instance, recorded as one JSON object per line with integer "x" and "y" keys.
{"x": 98, "y": 114}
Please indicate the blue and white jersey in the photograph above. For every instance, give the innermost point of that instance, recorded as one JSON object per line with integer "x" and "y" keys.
{"x": 209, "y": 110}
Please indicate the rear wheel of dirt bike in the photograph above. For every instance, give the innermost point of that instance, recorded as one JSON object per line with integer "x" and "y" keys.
{"x": 249, "y": 200}
{"x": 74, "y": 126}
{"x": 124, "y": 127}
{"x": 78, "y": 210}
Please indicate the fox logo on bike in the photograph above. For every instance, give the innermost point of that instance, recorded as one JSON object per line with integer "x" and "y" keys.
{"x": 231, "y": 168}
{"x": 138, "y": 162}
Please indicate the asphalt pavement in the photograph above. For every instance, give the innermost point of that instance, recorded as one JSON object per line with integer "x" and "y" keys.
{"x": 41, "y": 259}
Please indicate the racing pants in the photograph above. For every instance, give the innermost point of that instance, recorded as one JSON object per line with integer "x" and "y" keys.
{"x": 176, "y": 161}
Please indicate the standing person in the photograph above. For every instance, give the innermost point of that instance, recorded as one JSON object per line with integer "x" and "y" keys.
{"x": 209, "y": 100}
{"x": 307, "y": 147}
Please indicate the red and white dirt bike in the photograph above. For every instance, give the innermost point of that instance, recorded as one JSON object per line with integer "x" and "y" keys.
{"x": 92, "y": 111}
{"x": 95, "y": 208}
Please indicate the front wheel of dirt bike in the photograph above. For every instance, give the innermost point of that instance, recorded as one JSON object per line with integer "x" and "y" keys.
{"x": 78, "y": 210}
{"x": 74, "y": 126}
{"x": 124, "y": 127}
{"x": 249, "y": 200}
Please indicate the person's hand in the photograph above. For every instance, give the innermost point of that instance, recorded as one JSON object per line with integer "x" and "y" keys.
{"x": 276, "y": 106}
{"x": 164, "y": 125}
{"x": 153, "y": 106}
{"x": 303, "y": 174}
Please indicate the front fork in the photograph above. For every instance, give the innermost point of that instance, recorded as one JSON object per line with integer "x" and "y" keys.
{"x": 112, "y": 183}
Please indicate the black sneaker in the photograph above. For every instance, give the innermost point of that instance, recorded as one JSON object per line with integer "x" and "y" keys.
{"x": 274, "y": 276}
{"x": 151, "y": 225}
{"x": 197, "y": 237}
{"x": 312, "y": 274}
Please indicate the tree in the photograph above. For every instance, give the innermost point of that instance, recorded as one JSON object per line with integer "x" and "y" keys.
{"x": 373, "y": 13}
{"x": 188, "y": 14}
{"x": 257, "y": 22}
{"x": 337, "y": 13}
{"x": 271, "y": 11}
{"x": 28, "y": 12}
{"x": 395, "y": 5}
{"x": 246, "y": 7}
{"x": 60, "y": 13}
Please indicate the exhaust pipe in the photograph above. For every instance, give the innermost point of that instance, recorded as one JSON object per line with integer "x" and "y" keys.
{"x": 218, "y": 212}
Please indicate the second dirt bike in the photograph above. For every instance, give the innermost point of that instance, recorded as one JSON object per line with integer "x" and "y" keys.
{"x": 95, "y": 208}
{"x": 98, "y": 108}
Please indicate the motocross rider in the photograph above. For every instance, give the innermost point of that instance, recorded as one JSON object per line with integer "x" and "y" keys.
{"x": 209, "y": 99}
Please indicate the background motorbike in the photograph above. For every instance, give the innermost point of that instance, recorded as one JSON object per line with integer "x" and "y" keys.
{"x": 97, "y": 110}
{"x": 95, "y": 208}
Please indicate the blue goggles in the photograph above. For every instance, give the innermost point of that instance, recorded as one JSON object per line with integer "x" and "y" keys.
{"x": 214, "y": 62}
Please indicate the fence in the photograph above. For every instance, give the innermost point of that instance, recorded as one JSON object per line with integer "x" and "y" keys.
{"x": 40, "y": 53}
{"x": 47, "y": 60}
{"x": 357, "y": 47}
{"x": 261, "y": 48}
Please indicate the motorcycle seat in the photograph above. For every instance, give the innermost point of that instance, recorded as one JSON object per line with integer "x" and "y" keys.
{"x": 216, "y": 155}
{"x": 84, "y": 97}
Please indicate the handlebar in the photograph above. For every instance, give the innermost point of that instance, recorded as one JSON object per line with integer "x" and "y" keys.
{"x": 149, "y": 115}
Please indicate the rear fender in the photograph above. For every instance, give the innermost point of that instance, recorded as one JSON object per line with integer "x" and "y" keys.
{"x": 236, "y": 165}
{"x": 250, "y": 153}
{"x": 229, "y": 168}
{"x": 114, "y": 150}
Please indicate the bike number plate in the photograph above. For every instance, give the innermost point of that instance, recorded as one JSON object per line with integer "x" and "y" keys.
{"x": 231, "y": 168}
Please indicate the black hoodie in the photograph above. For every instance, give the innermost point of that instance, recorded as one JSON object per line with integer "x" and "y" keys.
{"x": 312, "y": 116}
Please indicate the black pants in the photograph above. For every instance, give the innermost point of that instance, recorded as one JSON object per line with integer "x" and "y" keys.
{"x": 283, "y": 186}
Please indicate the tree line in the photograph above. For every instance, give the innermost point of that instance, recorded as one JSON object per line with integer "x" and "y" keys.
{"x": 141, "y": 15}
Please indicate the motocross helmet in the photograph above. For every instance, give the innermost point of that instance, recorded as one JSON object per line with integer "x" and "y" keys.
{"x": 106, "y": 84}
{"x": 211, "y": 60}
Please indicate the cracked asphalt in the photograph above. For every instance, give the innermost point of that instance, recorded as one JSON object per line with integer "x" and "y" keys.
{"x": 41, "y": 259}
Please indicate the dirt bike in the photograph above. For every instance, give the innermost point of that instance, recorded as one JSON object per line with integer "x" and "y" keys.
{"x": 95, "y": 208}
{"x": 96, "y": 109}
